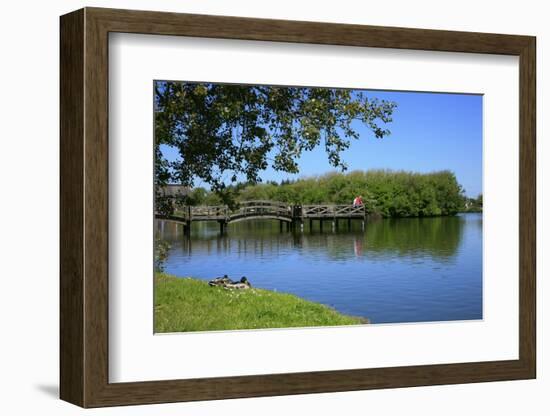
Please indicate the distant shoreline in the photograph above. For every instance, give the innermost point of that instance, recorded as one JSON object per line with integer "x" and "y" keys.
{"x": 386, "y": 193}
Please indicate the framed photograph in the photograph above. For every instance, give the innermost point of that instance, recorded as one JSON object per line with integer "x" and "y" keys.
{"x": 255, "y": 207}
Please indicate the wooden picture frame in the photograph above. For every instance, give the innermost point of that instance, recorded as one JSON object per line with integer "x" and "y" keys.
{"x": 84, "y": 207}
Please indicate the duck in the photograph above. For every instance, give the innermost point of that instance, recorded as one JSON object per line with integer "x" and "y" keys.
{"x": 241, "y": 284}
{"x": 220, "y": 281}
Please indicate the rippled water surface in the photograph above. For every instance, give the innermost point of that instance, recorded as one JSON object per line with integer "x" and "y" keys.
{"x": 396, "y": 270}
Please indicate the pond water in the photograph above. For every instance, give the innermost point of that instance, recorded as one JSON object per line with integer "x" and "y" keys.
{"x": 395, "y": 270}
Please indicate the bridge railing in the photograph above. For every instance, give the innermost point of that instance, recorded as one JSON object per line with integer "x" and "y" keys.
{"x": 349, "y": 210}
{"x": 332, "y": 211}
{"x": 316, "y": 211}
{"x": 216, "y": 212}
{"x": 262, "y": 207}
{"x": 269, "y": 208}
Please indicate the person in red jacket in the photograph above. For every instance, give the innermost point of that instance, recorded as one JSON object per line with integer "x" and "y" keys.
{"x": 358, "y": 201}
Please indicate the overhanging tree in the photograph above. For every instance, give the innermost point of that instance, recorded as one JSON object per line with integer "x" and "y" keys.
{"x": 224, "y": 133}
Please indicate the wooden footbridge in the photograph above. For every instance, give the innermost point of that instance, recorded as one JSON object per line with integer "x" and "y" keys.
{"x": 293, "y": 216}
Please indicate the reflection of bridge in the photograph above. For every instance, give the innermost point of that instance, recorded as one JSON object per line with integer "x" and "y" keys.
{"x": 291, "y": 215}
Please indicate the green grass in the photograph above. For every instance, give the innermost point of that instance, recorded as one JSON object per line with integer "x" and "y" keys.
{"x": 183, "y": 305}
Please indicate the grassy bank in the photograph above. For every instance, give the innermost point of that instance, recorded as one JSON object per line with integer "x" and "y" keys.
{"x": 183, "y": 305}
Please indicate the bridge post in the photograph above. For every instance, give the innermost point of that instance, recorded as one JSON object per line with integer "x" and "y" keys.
{"x": 298, "y": 222}
{"x": 187, "y": 228}
{"x": 281, "y": 226}
{"x": 349, "y": 224}
{"x": 320, "y": 224}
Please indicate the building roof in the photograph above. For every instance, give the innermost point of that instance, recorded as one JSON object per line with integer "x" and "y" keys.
{"x": 174, "y": 190}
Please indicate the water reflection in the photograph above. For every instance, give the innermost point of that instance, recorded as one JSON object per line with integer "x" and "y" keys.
{"x": 437, "y": 237}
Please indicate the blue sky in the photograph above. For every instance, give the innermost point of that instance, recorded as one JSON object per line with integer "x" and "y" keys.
{"x": 429, "y": 132}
